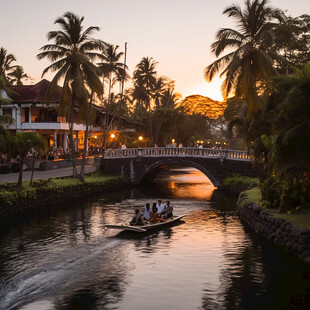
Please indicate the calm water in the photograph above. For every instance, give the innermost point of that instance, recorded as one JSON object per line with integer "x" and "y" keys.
{"x": 68, "y": 260}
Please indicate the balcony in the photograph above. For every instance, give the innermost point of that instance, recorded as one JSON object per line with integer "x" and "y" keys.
{"x": 51, "y": 126}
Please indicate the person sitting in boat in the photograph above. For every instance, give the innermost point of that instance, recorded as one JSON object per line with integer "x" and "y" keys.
{"x": 154, "y": 214}
{"x": 160, "y": 207}
{"x": 137, "y": 219}
{"x": 167, "y": 211}
{"x": 147, "y": 212}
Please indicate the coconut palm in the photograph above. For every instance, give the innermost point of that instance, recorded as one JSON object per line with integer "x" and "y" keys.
{"x": 6, "y": 61}
{"x": 158, "y": 89}
{"x": 112, "y": 68}
{"x": 169, "y": 100}
{"x": 71, "y": 55}
{"x": 144, "y": 79}
{"x": 22, "y": 143}
{"x": 249, "y": 66}
{"x": 17, "y": 75}
{"x": 292, "y": 42}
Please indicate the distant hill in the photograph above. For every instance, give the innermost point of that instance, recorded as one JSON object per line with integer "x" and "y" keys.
{"x": 197, "y": 104}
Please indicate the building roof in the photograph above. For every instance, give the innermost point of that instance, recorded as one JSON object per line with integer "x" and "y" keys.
{"x": 34, "y": 93}
{"x": 128, "y": 119}
{"x": 37, "y": 94}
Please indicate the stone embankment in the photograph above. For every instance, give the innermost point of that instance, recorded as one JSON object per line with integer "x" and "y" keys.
{"x": 293, "y": 239}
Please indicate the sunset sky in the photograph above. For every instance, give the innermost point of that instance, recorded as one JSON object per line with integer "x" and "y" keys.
{"x": 176, "y": 33}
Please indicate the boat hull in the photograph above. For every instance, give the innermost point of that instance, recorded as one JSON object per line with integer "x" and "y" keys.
{"x": 145, "y": 228}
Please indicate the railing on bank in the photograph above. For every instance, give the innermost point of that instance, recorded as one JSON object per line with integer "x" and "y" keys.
{"x": 176, "y": 151}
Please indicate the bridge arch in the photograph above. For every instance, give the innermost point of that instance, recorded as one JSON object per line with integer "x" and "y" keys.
{"x": 184, "y": 162}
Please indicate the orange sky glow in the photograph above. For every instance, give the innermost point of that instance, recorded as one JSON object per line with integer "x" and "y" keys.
{"x": 176, "y": 33}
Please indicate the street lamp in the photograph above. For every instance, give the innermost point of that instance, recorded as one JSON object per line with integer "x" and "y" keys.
{"x": 112, "y": 136}
{"x": 140, "y": 138}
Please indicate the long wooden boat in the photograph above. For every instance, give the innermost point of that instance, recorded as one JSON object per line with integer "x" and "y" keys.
{"x": 146, "y": 227}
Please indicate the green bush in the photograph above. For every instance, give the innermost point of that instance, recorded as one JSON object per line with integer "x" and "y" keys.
{"x": 238, "y": 183}
{"x": 271, "y": 189}
{"x": 286, "y": 194}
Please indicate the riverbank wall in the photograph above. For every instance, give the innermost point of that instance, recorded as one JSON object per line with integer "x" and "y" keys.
{"x": 279, "y": 231}
{"x": 55, "y": 192}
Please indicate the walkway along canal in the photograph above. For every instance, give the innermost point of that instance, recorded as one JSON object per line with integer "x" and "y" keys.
{"x": 66, "y": 258}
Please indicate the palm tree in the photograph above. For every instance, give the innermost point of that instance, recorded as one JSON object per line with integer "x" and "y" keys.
{"x": 23, "y": 142}
{"x": 144, "y": 80}
{"x": 111, "y": 66}
{"x": 6, "y": 61}
{"x": 249, "y": 67}
{"x": 17, "y": 75}
{"x": 71, "y": 56}
{"x": 168, "y": 101}
{"x": 158, "y": 89}
{"x": 115, "y": 71}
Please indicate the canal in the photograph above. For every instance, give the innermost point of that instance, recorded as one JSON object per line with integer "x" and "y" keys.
{"x": 66, "y": 259}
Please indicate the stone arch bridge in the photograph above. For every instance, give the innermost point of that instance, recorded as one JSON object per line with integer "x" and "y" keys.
{"x": 143, "y": 163}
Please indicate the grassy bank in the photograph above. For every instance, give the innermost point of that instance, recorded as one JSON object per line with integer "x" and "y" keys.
{"x": 237, "y": 183}
{"x": 299, "y": 218}
{"x": 52, "y": 192}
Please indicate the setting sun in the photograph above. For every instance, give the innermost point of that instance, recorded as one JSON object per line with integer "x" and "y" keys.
{"x": 211, "y": 90}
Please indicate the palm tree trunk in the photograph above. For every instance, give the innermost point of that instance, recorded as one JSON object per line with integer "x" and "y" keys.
{"x": 106, "y": 133}
{"x": 158, "y": 129}
{"x": 72, "y": 146}
{"x": 20, "y": 176}
{"x": 32, "y": 168}
{"x": 151, "y": 128}
{"x": 86, "y": 137}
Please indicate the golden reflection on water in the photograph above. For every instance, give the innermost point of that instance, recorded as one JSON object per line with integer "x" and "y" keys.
{"x": 187, "y": 183}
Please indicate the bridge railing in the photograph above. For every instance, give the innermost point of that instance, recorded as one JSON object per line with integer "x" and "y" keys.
{"x": 176, "y": 151}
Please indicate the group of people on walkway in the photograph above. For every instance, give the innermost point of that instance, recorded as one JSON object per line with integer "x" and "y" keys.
{"x": 158, "y": 213}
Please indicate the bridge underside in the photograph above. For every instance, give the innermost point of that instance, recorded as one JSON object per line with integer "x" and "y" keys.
{"x": 137, "y": 169}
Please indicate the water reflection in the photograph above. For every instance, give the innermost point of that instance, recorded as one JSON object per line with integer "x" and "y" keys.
{"x": 176, "y": 180}
{"x": 68, "y": 260}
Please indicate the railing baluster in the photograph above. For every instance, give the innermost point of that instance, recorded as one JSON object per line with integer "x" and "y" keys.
{"x": 175, "y": 151}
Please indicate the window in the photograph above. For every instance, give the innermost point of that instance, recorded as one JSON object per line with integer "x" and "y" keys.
{"x": 7, "y": 112}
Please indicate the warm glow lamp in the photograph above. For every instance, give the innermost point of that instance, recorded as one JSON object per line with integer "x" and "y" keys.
{"x": 112, "y": 135}
{"x": 140, "y": 138}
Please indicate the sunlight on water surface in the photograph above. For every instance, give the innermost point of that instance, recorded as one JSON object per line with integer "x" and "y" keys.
{"x": 69, "y": 260}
